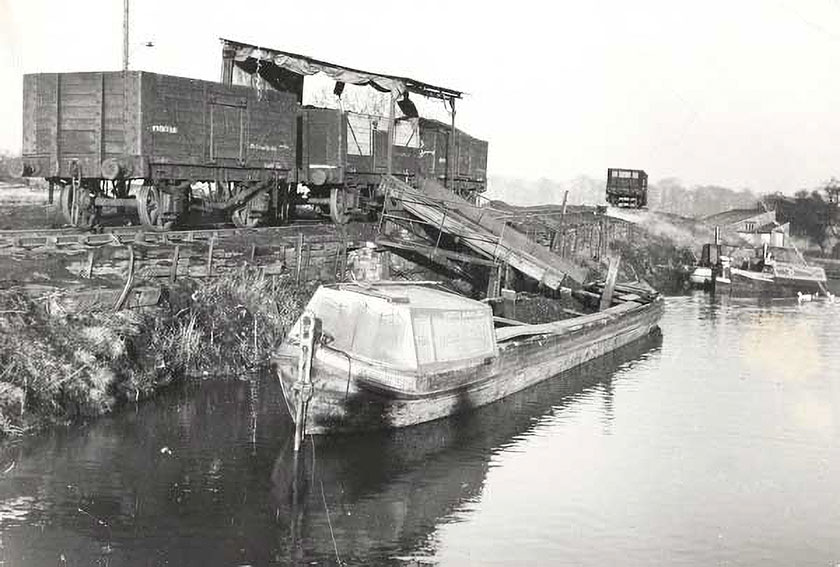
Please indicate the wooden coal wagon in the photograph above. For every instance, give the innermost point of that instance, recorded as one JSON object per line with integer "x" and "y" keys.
{"x": 146, "y": 140}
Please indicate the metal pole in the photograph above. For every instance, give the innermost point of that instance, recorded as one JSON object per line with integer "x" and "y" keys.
{"x": 125, "y": 35}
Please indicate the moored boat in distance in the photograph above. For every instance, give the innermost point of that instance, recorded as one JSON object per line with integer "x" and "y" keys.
{"x": 766, "y": 272}
{"x": 387, "y": 354}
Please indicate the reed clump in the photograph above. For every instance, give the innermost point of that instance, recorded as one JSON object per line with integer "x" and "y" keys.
{"x": 59, "y": 367}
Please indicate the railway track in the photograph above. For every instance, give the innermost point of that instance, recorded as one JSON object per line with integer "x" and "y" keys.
{"x": 15, "y": 241}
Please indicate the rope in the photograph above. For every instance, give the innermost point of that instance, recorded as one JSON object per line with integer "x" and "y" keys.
{"x": 329, "y": 523}
{"x": 326, "y": 508}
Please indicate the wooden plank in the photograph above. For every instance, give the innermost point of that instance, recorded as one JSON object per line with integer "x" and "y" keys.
{"x": 609, "y": 287}
{"x": 431, "y": 251}
{"x": 506, "y": 321}
{"x": 483, "y": 233}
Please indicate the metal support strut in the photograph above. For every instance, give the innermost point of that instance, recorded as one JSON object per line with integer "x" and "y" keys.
{"x": 303, "y": 386}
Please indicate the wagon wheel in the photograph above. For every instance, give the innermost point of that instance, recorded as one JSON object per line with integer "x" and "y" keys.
{"x": 338, "y": 206}
{"x": 285, "y": 210}
{"x": 242, "y": 217}
{"x": 150, "y": 209}
{"x": 76, "y": 205}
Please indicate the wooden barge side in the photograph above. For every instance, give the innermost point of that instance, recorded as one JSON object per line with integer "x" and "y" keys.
{"x": 355, "y": 395}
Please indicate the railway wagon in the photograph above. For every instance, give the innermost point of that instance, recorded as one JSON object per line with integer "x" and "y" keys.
{"x": 146, "y": 140}
{"x": 627, "y": 187}
{"x": 343, "y": 156}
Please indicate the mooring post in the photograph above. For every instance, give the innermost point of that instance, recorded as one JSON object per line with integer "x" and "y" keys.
{"x": 303, "y": 386}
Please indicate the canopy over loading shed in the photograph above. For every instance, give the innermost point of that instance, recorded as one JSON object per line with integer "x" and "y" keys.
{"x": 245, "y": 56}
{"x": 285, "y": 71}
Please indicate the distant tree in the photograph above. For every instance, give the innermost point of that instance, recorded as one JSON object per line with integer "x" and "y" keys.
{"x": 809, "y": 216}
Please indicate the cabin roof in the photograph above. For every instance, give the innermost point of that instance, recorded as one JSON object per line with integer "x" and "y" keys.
{"x": 416, "y": 296}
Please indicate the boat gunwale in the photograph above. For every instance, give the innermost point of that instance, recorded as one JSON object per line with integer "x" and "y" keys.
{"x": 506, "y": 348}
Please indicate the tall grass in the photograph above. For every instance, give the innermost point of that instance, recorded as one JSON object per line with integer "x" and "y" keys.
{"x": 59, "y": 367}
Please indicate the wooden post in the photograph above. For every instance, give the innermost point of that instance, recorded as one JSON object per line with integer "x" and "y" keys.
{"x": 298, "y": 257}
{"x": 557, "y": 240}
{"x": 509, "y": 303}
{"x": 173, "y": 269}
{"x": 337, "y": 262}
{"x": 451, "y": 158}
{"x": 125, "y": 35}
{"x": 253, "y": 253}
{"x": 89, "y": 269}
{"x": 210, "y": 256}
{"x": 227, "y": 64}
{"x": 510, "y": 277}
{"x": 343, "y": 268}
{"x": 307, "y": 257}
{"x": 494, "y": 280}
{"x": 391, "y": 126}
{"x": 385, "y": 265}
{"x": 609, "y": 285}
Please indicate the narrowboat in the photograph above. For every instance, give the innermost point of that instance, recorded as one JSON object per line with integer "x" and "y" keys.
{"x": 367, "y": 356}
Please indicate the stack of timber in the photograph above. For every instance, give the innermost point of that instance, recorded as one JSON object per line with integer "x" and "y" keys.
{"x": 480, "y": 231}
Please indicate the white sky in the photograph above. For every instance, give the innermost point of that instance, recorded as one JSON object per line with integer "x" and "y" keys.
{"x": 738, "y": 93}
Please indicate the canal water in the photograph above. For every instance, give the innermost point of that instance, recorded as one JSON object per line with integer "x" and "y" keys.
{"x": 717, "y": 443}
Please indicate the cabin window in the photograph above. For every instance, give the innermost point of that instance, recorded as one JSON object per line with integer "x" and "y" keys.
{"x": 749, "y": 226}
{"x": 383, "y": 334}
{"x": 446, "y": 336}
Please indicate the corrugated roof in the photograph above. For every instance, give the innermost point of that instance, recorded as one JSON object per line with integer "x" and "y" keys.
{"x": 732, "y": 216}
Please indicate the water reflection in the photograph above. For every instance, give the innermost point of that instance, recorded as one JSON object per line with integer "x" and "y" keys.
{"x": 379, "y": 495}
{"x": 205, "y": 476}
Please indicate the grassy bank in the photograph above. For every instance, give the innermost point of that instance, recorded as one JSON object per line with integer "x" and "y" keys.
{"x": 60, "y": 368}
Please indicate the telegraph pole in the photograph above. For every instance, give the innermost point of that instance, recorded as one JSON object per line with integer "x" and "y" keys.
{"x": 125, "y": 35}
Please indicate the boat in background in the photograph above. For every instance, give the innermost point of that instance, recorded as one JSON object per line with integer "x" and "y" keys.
{"x": 379, "y": 355}
{"x": 768, "y": 272}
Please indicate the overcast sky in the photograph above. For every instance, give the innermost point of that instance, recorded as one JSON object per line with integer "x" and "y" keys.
{"x": 743, "y": 93}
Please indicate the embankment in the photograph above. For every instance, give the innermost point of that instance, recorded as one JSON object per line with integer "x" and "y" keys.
{"x": 59, "y": 367}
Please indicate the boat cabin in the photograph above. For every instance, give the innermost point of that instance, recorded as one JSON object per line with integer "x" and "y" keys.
{"x": 410, "y": 328}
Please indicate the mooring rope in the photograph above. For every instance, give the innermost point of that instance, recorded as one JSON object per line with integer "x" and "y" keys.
{"x": 324, "y": 500}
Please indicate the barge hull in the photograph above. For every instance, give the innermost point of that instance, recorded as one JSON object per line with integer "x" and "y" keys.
{"x": 350, "y": 395}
